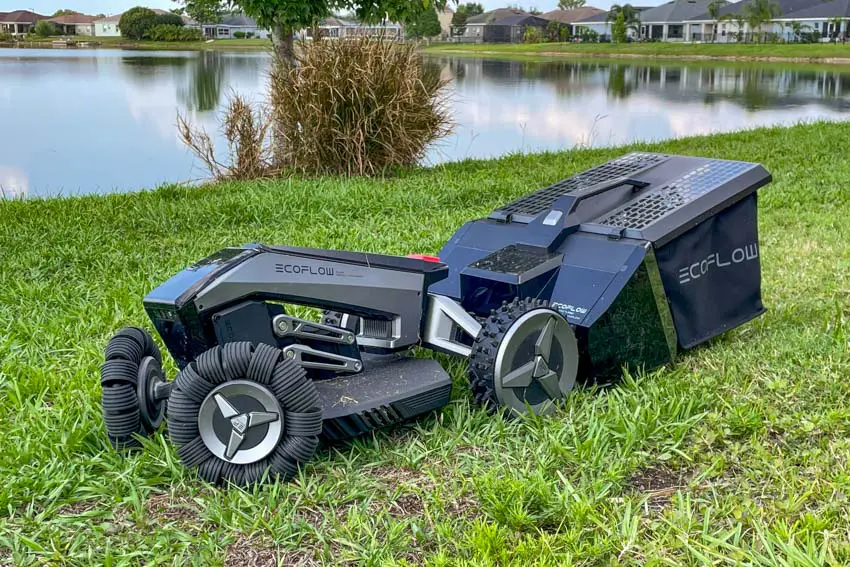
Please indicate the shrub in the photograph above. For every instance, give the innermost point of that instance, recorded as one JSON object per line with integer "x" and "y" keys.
{"x": 45, "y": 29}
{"x": 169, "y": 20}
{"x": 136, "y": 22}
{"x": 5, "y": 36}
{"x": 249, "y": 35}
{"x": 358, "y": 107}
{"x": 239, "y": 35}
{"x": 168, "y": 32}
{"x": 531, "y": 35}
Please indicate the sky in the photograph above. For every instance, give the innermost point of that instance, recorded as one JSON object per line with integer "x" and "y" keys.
{"x": 117, "y": 6}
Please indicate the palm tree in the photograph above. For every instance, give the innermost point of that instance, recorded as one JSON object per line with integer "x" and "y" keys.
{"x": 714, "y": 8}
{"x": 631, "y": 15}
{"x": 760, "y": 12}
{"x": 797, "y": 29}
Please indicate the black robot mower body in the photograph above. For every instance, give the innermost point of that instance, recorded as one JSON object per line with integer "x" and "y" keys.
{"x": 623, "y": 265}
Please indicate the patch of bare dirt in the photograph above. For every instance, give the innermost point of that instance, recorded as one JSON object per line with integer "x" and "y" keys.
{"x": 255, "y": 552}
{"x": 402, "y": 476}
{"x": 658, "y": 484}
{"x": 77, "y": 508}
{"x": 164, "y": 508}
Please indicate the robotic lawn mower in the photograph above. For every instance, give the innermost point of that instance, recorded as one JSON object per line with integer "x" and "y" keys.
{"x": 623, "y": 265}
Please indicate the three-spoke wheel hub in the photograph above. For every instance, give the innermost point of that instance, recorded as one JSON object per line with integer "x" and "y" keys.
{"x": 241, "y": 422}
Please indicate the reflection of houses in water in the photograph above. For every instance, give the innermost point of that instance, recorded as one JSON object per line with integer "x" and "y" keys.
{"x": 750, "y": 87}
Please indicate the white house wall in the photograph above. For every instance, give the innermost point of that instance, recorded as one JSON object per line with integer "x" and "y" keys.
{"x": 106, "y": 29}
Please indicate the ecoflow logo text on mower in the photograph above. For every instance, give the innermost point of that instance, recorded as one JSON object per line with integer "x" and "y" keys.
{"x": 304, "y": 269}
{"x": 718, "y": 260}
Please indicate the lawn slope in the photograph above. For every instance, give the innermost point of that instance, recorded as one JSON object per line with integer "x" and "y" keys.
{"x": 823, "y": 53}
{"x": 736, "y": 455}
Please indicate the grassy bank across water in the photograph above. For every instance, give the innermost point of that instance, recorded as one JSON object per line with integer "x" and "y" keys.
{"x": 738, "y": 454}
{"x": 800, "y": 53}
{"x": 125, "y": 43}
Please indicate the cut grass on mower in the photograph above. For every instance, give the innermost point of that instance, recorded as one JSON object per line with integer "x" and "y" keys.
{"x": 736, "y": 455}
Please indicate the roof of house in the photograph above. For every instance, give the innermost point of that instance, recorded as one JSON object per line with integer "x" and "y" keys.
{"x": 675, "y": 11}
{"x": 821, "y": 10}
{"x": 570, "y": 16}
{"x": 493, "y": 15}
{"x": 602, "y": 17}
{"x": 786, "y": 7}
{"x": 22, "y": 17}
{"x": 520, "y": 20}
{"x": 238, "y": 20}
{"x": 70, "y": 19}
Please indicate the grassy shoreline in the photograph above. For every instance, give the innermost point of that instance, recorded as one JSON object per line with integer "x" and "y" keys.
{"x": 125, "y": 43}
{"x": 792, "y": 53}
{"x": 735, "y": 455}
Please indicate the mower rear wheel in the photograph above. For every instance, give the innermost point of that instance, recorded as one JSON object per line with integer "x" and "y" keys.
{"x": 132, "y": 367}
{"x": 525, "y": 359}
{"x": 243, "y": 410}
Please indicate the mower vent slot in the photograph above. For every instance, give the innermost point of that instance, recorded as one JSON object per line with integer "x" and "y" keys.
{"x": 377, "y": 328}
{"x": 658, "y": 203}
{"x": 526, "y": 208}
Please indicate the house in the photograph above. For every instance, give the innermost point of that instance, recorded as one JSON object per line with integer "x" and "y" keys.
{"x": 822, "y": 19}
{"x": 19, "y": 22}
{"x": 668, "y": 22}
{"x": 339, "y": 28}
{"x": 601, "y": 24}
{"x": 570, "y": 17}
{"x": 232, "y": 24}
{"x": 74, "y": 24}
{"x": 108, "y": 27}
{"x": 445, "y": 17}
{"x": 503, "y": 25}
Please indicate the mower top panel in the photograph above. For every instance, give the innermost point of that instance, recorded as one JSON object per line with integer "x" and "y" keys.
{"x": 644, "y": 196}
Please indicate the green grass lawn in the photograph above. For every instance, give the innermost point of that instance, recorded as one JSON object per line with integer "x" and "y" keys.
{"x": 675, "y": 50}
{"x": 123, "y": 42}
{"x": 737, "y": 455}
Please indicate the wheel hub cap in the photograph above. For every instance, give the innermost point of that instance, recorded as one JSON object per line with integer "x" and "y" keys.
{"x": 537, "y": 362}
{"x": 241, "y": 422}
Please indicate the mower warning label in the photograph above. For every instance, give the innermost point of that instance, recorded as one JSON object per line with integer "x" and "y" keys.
{"x": 717, "y": 260}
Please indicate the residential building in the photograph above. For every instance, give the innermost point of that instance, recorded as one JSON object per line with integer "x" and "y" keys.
{"x": 601, "y": 24}
{"x": 19, "y": 22}
{"x": 824, "y": 20}
{"x": 232, "y": 24}
{"x": 74, "y": 24}
{"x": 339, "y": 28}
{"x": 667, "y": 22}
{"x": 445, "y": 17}
{"x": 570, "y": 17}
{"x": 503, "y": 25}
{"x": 107, "y": 27}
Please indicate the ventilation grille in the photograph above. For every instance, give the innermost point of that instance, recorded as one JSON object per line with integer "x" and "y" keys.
{"x": 377, "y": 328}
{"x": 659, "y": 203}
{"x": 528, "y": 207}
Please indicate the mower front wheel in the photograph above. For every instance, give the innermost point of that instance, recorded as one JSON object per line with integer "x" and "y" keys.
{"x": 242, "y": 410}
{"x": 132, "y": 369}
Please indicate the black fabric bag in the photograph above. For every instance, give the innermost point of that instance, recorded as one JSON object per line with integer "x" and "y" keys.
{"x": 712, "y": 274}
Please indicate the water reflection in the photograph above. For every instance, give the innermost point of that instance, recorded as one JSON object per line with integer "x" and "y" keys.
{"x": 105, "y": 120}
{"x": 560, "y": 104}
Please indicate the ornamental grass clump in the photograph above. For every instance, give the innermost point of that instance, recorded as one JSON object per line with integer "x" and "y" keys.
{"x": 352, "y": 107}
{"x": 356, "y": 107}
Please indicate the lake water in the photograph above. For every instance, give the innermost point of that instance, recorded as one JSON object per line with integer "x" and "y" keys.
{"x": 97, "y": 121}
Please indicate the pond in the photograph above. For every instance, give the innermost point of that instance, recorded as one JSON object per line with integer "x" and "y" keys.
{"x": 97, "y": 121}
